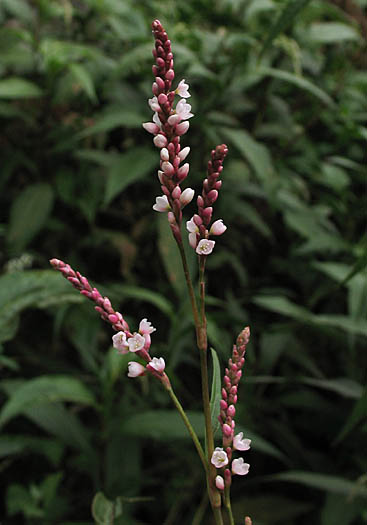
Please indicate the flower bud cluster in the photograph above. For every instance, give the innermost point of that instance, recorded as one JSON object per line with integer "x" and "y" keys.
{"x": 199, "y": 227}
{"x": 124, "y": 341}
{"x": 169, "y": 124}
{"x": 232, "y": 442}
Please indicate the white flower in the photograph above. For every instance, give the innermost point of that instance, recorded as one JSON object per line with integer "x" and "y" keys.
{"x": 219, "y": 458}
{"x": 183, "y": 89}
{"x": 135, "y": 369}
{"x": 241, "y": 444}
{"x": 145, "y": 327}
{"x": 158, "y": 364}
{"x": 136, "y": 342}
{"x": 151, "y": 127}
{"x": 205, "y": 247}
{"x": 218, "y": 227}
{"x": 186, "y": 196}
{"x": 153, "y": 103}
{"x": 160, "y": 173}
{"x": 161, "y": 204}
{"x": 181, "y": 128}
{"x": 192, "y": 226}
{"x": 164, "y": 154}
{"x": 183, "y": 153}
{"x": 219, "y": 483}
{"x": 157, "y": 121}
{"x": 183, "y": 109}
{"x": 193, "y": 241}
{"x": 239, "y": 467}
{"x": 160, "y": 140}
{"x": 119, "y": 342}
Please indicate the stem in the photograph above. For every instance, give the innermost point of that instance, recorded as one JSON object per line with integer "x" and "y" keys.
{"x": 227, "y": 503}
{"x": 189, "y": 427}
{"x": 189, "y": 284}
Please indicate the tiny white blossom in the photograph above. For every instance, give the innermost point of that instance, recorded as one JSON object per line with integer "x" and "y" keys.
{"x": 193, "y": 241}
{"x": 186, "y": 196}
{"x": 153, "y": 103}
{"x": 158, "y": 364}
{"x": 136, "y": 342}
{"x": 219, "y": 458}
{"x": 205, "y": 247}
{"x": 135, "y": 369}
{"x": 183, "y": 153}
{"x": 157, "y": 121}
{"x": 183, "y": 109}
{"x": 119, "y": 342}
{"x": 161, "y": 204}
{"x": 191, "y": 226}
{"x": 183, "y": 89}
{"x": 218, "y": 227}
{"x": 241, "y": 444}
{"x": 239, "y": 467}
{"x": 145, "y": 327}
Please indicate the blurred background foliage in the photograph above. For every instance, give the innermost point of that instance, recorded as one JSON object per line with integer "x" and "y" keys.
{"x": 284, "y": 84}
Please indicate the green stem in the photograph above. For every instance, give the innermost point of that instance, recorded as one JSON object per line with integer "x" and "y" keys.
{"x": 189, "y": 427}
{"x": 227, "y": 503}
{"x": 189, "y": 284}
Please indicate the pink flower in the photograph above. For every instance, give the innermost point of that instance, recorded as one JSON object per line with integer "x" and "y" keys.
{"x": 135, "y": 369}
{"x": 157, "y": 364}
{"x": 241, "y": 444}
{"x": 160, "y": 140}
{"x": 186, "y": 196}
{"x": 183, "y": 153}
{"x": 161, "y": 204}
{"x": 182, "y": 127}
{"x": 151, "y": 127}
{"x": 193, "y": 241}
{"x": 164, "y": 154}
{"x": 136, "y": 342}
{"x": 219, "y": 483}
{"x": 119, "y": 342}
{"x": 219, "y": 458}
{"x": 205, "y": 247}
{"x": 183, "y": 89}
{"x": 183, "y": 110}
{"x": 145, "y": 327}
{"x": 239, "y": 467}
{"x": 153, "y": 103}
{"x": 217, "y": 227}
{"x": 191, "y": 226}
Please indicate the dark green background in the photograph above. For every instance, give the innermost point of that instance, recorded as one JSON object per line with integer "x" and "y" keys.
{"x": 284, "y": 85}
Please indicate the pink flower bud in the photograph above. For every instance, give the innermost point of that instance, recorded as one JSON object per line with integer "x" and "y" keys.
{"x": 217, "y": 228}
{"x": 135, "y": 369}
{"x": 113, "y": 318}
{"x": 182, "y": 128}
{"x": 160, "y": 173}
{"x": 231, "y": 411}
{"x": 219, "y": 483}
{"x": 160, "y": 141}
{"x": 164, "y": 153}
{"x": 183, "y": 153}
{"x": 162, "y": 98}
{"x": 223, "y": 404}
{"x": 173, "y": 120}
{"x": 176, "y": 192}
{"x": 212, "y": 196}
{"x": 226, "y": 429}
{"x": 171, "y": 217}
{"x": 170, "y": 75}
{"x": 193, "y": 240}
{"x": 151, "y": 127}
{"x": 183, "y": 171}
{"x": 168, "y": 168}
{"x": 155, "y": 88}
{"x": 187, "y": 196}
{"x": 160, "y": 83}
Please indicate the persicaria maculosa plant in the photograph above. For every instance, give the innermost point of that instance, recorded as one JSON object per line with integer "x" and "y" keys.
{"x": 170, "y": 122}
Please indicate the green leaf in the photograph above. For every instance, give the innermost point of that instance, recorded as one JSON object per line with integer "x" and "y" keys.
{"x": 298, "y": 81}
{"x": 45, "y": 389}
{"x": 216, "y": 392}
{"x": 332, "y": 33}
{"x": 38, "y": 288}
{"x": 170, "y": 255}
{"x": 163, "y": 425}
{"x": 128, "y": 168}
{"x": 111, "y": 120}
{"x": 105, "y": 511}
{"x": 324, "y": 482}
{"x": 286, "y": 17}
{"x": 28, "y": 214}
{"x": 255, "y": 153}
{"x": 142, "y": 294}
{"x": 84, "y": 79}
{"x": 344, "y": 386}
{"x": 358, "y": 414}
{"x": 15, "y": 87}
